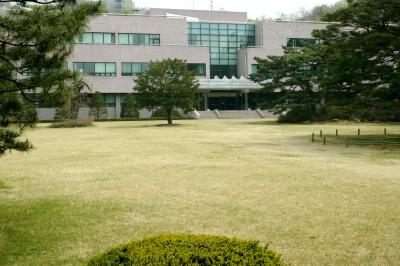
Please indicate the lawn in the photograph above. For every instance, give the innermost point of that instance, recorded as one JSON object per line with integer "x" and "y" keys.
{"x": 84, "y": 190}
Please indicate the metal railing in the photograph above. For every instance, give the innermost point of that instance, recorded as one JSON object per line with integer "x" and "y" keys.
{"x": 349, "y": 140}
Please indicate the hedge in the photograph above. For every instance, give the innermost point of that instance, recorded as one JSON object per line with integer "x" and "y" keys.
{"x": 189, "y": 250}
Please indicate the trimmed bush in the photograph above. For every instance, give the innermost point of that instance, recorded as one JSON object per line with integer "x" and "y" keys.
{"x": 72, "y": 123}
{"x": 297, "y": 114}
{"x": 189, "y": 250}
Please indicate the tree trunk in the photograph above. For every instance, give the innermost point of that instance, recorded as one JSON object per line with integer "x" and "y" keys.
{"x": 169, "y": 116}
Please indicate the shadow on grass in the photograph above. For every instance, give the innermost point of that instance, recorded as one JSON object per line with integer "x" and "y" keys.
{"x": 133, "y": 126}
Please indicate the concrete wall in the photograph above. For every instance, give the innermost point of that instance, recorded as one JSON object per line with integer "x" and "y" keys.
{"x": 274, "y": 34}
{"x": 172, "y": 30}
{"x": 270, "y": 37}
{"x": 204, "y": 15}
{"x": 132, "y": 53}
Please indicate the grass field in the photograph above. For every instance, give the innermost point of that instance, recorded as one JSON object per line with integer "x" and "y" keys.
{"x": 84, "y": 190}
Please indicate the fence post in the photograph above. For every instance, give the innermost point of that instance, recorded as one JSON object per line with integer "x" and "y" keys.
{"x": 347, "y": 143}
{"x": 337, "y": 132}
{"x": 324, "y": 140}
{"x": 313, "y": 137}
{"x": 320, "y": 133}
{"x": 359, "y": 132}
{"x": 384, "y": 132}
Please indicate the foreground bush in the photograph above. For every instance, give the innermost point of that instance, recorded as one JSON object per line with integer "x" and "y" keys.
{"x": 189, "y": 250}
{"x": 72, "y": 123}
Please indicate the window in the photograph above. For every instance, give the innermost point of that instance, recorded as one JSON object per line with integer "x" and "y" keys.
{"x": 254, "y": 69}
{"x": 95, "y": 69}
{"x": 139, "y": 39}
{"x": 109, "y": 100}
{"x": 224, "y": 40}
{"x": 199, "y": 68}
{"x": 301, "y": 42}
{"x": 96, "y": 38}
{"x": 133, "y": 69}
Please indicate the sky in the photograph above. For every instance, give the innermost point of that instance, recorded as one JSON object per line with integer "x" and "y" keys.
{"x": 254, "y": 8}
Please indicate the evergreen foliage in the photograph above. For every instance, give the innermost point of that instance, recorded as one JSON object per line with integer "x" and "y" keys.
{"x": 129, "y": 108}
{"x": 189, "y": 250}
{"x": 356, "y": 64}
{"x": 34, "y": 45}
{"x": 168, "y": 85}
{"x": 97, "y": 106}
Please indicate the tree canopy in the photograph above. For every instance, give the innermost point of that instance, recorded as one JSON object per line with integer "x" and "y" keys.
{"x": 168, "y": 85}
{"x": 355, "y": 65}
{"x": 35, "y": 41}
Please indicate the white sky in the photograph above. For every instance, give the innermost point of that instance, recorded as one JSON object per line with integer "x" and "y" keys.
{"x": 254, "y": 8}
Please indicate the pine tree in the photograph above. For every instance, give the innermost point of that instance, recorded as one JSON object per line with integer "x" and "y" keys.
{"x": 129, "y": 107}
{"x": 168, "y": 85}
{"x": 97, "y": 106}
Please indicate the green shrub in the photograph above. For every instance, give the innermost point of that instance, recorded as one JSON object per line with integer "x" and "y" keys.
{"x": 189, "y": 250}
{"x": 298, "y": 113}
{"x": 72, "y": 123}
{"x": 160, "y": 113}
{"x": 338, "y": 112}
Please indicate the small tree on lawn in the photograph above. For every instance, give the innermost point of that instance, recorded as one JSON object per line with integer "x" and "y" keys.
{"x": 168, "y": 85}
{"x": 97, "y": 106}
{"x": 129, "y": 107}
{"x": 74, "y": 98}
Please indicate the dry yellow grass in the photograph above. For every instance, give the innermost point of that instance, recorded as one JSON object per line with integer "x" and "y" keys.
{"x": 83, "y": 190}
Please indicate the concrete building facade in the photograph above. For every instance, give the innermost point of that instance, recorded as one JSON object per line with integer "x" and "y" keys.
{"x": 219, "y": 45}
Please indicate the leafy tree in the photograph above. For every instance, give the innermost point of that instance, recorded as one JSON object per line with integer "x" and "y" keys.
{"x": 76, "y": 96}
{"x": 356, "y": 65}
{"x": 291, "y": 77}
{"x": 365, "y": 51}
{"x": 130, "y": 107}
{"x": 97, "y": 106}
{"x": 34, "y": 45}
{"x": 18, "y": 114}
{"x": 168, "y": 85}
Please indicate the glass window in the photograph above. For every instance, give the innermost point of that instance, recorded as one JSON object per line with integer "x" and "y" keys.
{"x": 136, "y": 68}
{"x": 87, "y": 38}
{"x": 223, "y": 26}
{"x": 214, "y": 50}
{"x": 214, "y": 32}
{"x": 223, "y": 38}
{"x": 108, "y": 38}
{"x": 100, "y": 69}
{"x": 195, "y": 31}
{"x": 195, "y": 25}
{"x": 214, "y": 61}
{"x": 214, "y": 26}
{"x": 88, "y": 69}
{"x": 110, "y": 69}
{"x": 144, "y": 39}
{"x": 205, "y": 31}
{"x": 134, "y": 38}
{"x": 199, "y": 68}
{"x": 205, "y": 25}
{"x": 109, "y": 99}
{"x": 241, "y": 27}
{"x": 214, "y": 38}
{"x": 123, "y": 38}
{"x": 232, "y": 62}
{"x": 98, "y": 38}
{"x": 254, "y": 69}
{"x": 145, "y": 67}
{"x": 126, "y": 69}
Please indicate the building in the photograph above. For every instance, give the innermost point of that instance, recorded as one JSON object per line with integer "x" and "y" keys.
{"x": 219, "y": 45}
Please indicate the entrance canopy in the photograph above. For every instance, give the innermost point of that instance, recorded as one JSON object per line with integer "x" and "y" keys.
{"x": 233, "y": 84}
